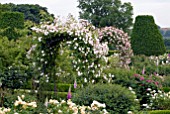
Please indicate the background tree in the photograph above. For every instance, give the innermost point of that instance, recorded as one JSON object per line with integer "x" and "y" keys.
{"x": 34, "y": 13}
{"x": 146, "y": 38}
{"x": 103, "y": 13}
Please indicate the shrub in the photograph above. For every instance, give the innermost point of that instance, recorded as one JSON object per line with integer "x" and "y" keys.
{"x": 160, "y": 100}
{"x": 118, "y": 99}
{"x": 146, "y": 38}
{"x": 9, "y": 98}
{"x": 141, "y": 61}
{"x": 144, "y": 86}
{"x": 122, "y": 77}
{"x": 166, "y": 89}
{"x": 166, "y": 81}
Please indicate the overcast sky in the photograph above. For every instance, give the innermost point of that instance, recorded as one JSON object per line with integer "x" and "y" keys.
{"x": 160, "y": 9}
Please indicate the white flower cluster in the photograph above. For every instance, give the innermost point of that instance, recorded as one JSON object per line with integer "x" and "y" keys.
{"x": 24, "y": 104}
{"x": 79, "y": 29}
{"x": 76, "y": 108}
{"x": 4, "y": 110}
{"x": 161, "y": 59}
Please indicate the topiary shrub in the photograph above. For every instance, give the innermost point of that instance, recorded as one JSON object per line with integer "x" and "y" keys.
{"x": 146, "y": 38}
{"x": 118, "y": 99}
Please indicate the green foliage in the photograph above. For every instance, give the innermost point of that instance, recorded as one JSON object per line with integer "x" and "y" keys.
{"x": 167, "y": 43}
{"x": 10, "y": 22}
{"x": 9, "y": 98}
{"x": 118, "y": 99}
{"x": 122, "y": 77}
{"x": 11, "y": 19}
{"x": 160, "y": 112}
{"x": 61, "y": 87}
{"x": 14, "y": 77}
{"x": 166, "y": 89}
{"x": 107, "y": 13}
{"x": 5, "y": 7}
{"x": 14, "y": 65}
{"x": 34, "y": 13}
{"x": 146, "y": 38}
{"x": 141, "y": 61}
{"x": 53, "y": 95}
{"x": 166, "y": 81}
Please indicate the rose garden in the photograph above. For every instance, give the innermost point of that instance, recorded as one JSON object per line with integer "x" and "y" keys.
{"x": 68, "y": 66}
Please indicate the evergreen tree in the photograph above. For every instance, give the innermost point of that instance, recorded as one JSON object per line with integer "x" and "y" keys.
{"x": 146, "y": 38}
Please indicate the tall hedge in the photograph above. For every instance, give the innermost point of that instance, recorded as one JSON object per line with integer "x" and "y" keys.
{"x": 9, "y": 22}
{"x": 146, "y": 38}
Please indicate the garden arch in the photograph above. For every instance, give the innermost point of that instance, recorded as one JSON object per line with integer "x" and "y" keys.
{"x": 89, "y": 44}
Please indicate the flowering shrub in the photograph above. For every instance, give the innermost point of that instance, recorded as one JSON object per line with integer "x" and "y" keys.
{"x": 143, "y": 86}
{"x": 55, "y": 107}
{"x": 4, "y": 110}
{"x": 160, "y": 100}
{"x": 23, "y": 107}
{"x": 69, "y": 107}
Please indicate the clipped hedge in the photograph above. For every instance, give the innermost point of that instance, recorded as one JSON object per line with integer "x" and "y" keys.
{"x": 61, "y": 87}
{"x": 58, "y": 96}
{"x": 160, "y": 112}
{"x": 146, "y": 38}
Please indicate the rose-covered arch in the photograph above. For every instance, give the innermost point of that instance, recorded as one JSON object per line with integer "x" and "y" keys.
{"x": 88, "y": 43}
{"x": 121, "y": 41}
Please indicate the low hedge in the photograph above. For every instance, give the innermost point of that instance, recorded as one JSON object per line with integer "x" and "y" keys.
{"x": 160, "y": 112}
{"x": 61, "y": 87}
{"x": 58, "y": 95}
{"x": 49, "y": 94}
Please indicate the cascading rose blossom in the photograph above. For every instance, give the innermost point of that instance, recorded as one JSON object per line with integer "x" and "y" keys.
{"x": 75, "y": 28}
{"x": 121, "y": 40}
{"x": 89, "y": 44}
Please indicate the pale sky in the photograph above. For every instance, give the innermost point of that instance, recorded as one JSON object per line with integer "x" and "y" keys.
{"x": 160, "y": 9}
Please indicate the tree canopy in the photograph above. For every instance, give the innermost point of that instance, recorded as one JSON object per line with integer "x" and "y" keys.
{"x": 103, "y": 13}
{"x": 34, "y": 13}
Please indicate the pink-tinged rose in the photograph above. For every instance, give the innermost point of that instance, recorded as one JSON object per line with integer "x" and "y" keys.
{"x": 156, "y": 83}
{"x": 142, "y": 78}
{"x": 136, "y": 75}
{"x": 149, "y": 81}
